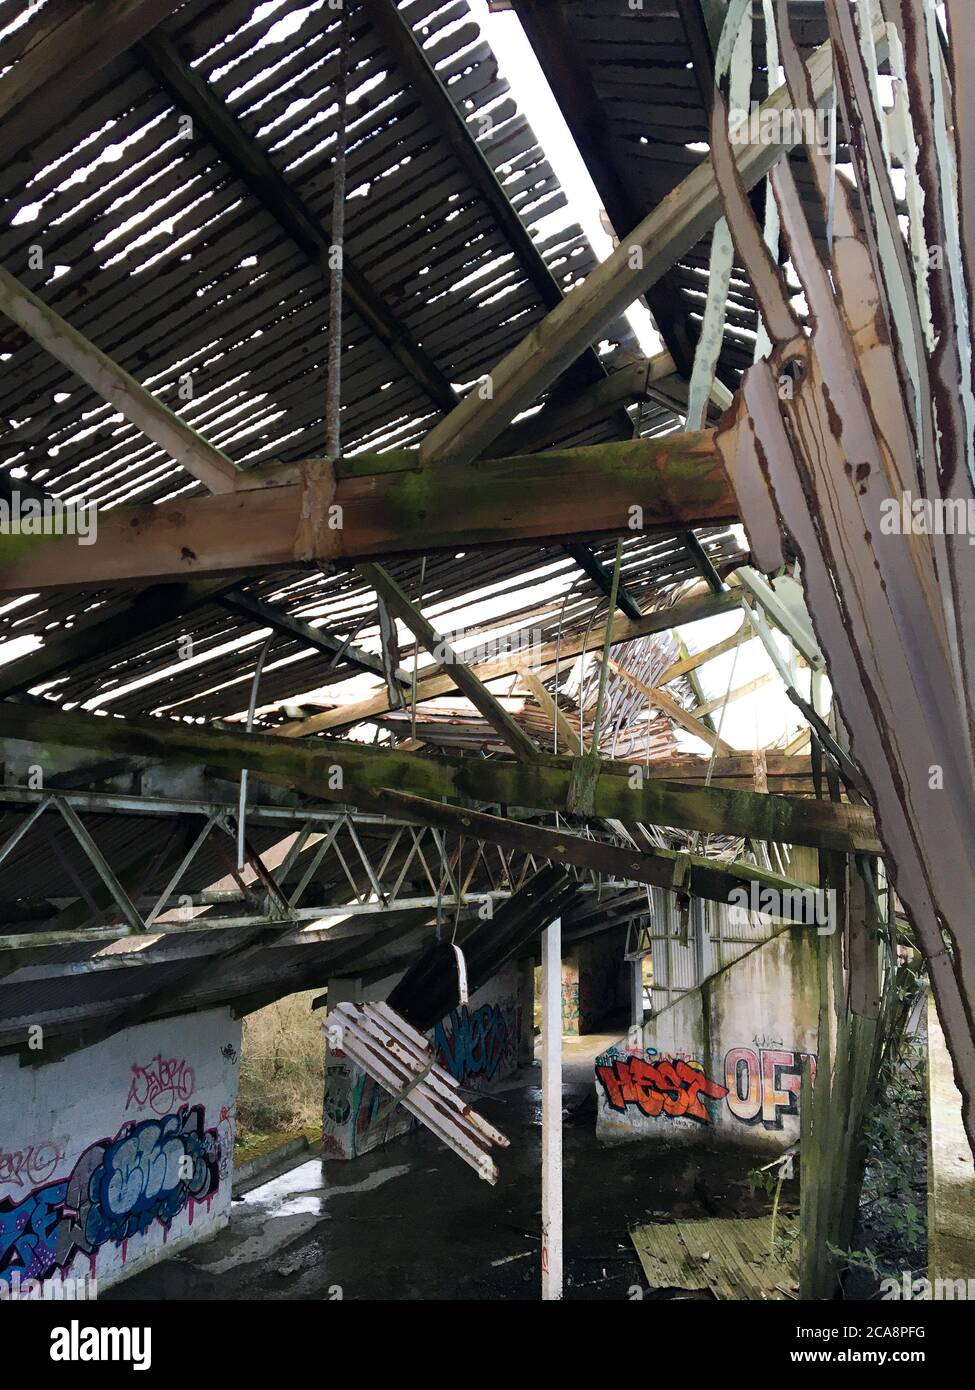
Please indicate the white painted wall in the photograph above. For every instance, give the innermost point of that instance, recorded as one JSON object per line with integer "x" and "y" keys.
{"x": 119, "y": 1152}
{"x": 734, "y": 1045}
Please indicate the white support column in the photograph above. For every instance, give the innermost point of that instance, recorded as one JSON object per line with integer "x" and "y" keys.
{"x": 552, "y": 1111}
{"x": 636, "y": 993}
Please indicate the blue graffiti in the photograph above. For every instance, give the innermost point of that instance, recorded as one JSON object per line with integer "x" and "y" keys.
{"x": 472, "y": 1043}
{"x": 149, "y": 1172}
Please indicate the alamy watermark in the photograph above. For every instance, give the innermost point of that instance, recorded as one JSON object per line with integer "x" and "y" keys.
{"x": 908, "y": 515}
{"x": 525, "y": 647}
{"x": 786, "y": 126}
{"x": 905, "y": 1286}
{"x": 16, "y": 1289}
{"x": 805, "y": 907}
{"x": 23, "y": 515}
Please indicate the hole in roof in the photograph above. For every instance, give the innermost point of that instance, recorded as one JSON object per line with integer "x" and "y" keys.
{"x": 28, "y": 213}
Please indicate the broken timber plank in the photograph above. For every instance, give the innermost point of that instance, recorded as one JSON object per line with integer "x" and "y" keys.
{"x": 732, "y": 1257}
{"x": 669, "y": 705}
{"x": 687, "y": 611}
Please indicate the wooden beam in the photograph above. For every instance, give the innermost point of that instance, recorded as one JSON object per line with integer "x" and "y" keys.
{"x": 784, "y": 772}
{"x": 670, "y": 707}
{"x": 688, "y": 611}
{"x": 677, "y": 223}
{"x": 69, "y": 43}
{"x": 192, "y": 94}
{"x": 425, "y": 85}
{"x": 592, "y": 565}
{"x": 601, "y": 791}
{"x": 570, "y": 739}
{"x": 236, "y": 601}
{"x": 156, "y": 421}
{"x": 696, "y": 659}
{"x": 388, "y": 504}
{"x": 694, "y": 874}
{"x": 465, "y": 678}
{"x": 567, "y": 408}
{"x": 702, "y": 560}
{"x": 710, "y": 705}
{"x": 549, "y": 29}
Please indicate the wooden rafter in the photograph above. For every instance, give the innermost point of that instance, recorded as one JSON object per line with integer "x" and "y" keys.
{"x": 424, "y": 84}
{"x": 566, "y": 409}
{"x": 252, "y": 166}
{"x": 645, "y": 254}
{"x": 465, "y": 678}
{"x": 623, "y": 630}
{"x": 139, "y": 406}
{"x": 319, "y": 638}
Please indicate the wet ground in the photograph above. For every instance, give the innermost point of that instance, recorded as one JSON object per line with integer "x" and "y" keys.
{"x": 411, "y": 1221}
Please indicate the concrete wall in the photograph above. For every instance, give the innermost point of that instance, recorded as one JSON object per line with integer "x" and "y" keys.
{"x": 119, "y": 1152}
{"x": 480, "y": 1044}
{"x": 723, "y": 1061}
{"x": 951, "y": 1172}
{"x": 594, "y": 981}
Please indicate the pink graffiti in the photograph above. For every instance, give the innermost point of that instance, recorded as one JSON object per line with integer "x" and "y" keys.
{"x": 31, "y": 1166}
{"x": 161, "y": 1085}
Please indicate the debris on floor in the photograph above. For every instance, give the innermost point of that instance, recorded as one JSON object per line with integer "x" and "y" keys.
{"x": 733, "y": 1258}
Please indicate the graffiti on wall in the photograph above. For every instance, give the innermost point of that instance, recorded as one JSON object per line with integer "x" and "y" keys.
{"x": 473, "y": 1043}
{"x": 760, "y": 1084}
{"x": 571, "y": 999}
{"x": 763, "y": 1083}
{"x": 150, "y": 1171}
{"x": 31, "y": 1166}
{"x": 658, "y": 1085}
{"x": 162, "y": 1085}
{"x": 355, "y": 1105}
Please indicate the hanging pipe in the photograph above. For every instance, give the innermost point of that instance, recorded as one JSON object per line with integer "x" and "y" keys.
{"x": 333, "y": 382}
{"x": 252, "y": 706}
{"x": 607, "y": 642}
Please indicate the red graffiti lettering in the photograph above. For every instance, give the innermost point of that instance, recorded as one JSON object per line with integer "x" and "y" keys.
{"x": 31, "y": 1166}
{"x": 666, "y": 1086}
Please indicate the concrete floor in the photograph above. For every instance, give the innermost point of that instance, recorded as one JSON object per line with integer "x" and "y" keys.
{"x": 411, "y": 1221}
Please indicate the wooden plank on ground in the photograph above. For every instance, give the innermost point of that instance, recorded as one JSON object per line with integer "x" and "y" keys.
{"x": 733, "y": 1257}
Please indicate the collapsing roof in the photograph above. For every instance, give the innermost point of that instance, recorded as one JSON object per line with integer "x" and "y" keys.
{"x": 254, "y": 601}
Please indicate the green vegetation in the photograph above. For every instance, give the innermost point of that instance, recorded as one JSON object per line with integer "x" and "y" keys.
{"x": 281, "y": 1072}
